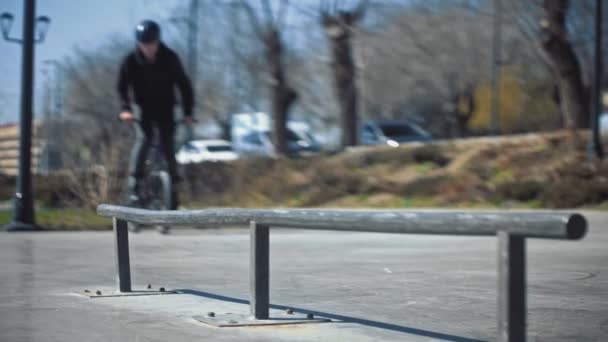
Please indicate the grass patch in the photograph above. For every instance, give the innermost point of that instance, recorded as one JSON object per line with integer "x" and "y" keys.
{"x": 603, "y": 206}
{"x": 363, "y": 197}
{"x": 65, "y": 219}
{"x": 502, "y": 176}
{"x": 418, "y": 202}
{"x": 425, "y": 167}
{"x": 296, "y": 200}
{"x": 5, "y": 217}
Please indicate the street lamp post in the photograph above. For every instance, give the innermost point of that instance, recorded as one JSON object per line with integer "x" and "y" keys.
{"x": 23, "y": 211}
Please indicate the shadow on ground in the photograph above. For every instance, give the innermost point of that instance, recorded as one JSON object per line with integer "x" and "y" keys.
{"x": 341, "y": 318}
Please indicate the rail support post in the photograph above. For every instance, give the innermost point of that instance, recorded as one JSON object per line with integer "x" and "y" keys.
{"x": 259, "y": 271}
{"x": 121, "y": 244}
{"x": 511, "y": 288}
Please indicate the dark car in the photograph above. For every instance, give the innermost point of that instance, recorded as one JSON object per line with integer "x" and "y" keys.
{"x": 260, "y": 143}
{"x": 392, "y": 133}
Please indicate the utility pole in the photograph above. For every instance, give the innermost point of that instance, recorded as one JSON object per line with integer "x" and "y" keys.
{"x": 193, "y": 41}
{"x": 595, "y": 146}
{"x": 57, "y": 93}
{"x": 496, "y": 67}
{"x": 192, "y": 55}
{"x": 53, "y": 109}
{"x": 47, "y": 115}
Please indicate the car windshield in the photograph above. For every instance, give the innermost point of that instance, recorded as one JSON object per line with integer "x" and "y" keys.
{"x": 189, "y": 147}
{"x": 291, "y": 135}
{"x": 398, "y": 130}
{"x": 253, "y": 138}
{"x": 219, "y": 148}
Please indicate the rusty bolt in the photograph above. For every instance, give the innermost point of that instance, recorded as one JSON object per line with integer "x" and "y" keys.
{"x": 98, "y": 293}
{"x": 310, "y": 316}
{"x": 211, "y": 314}
{"x": 162, "y": 289}
{"x": 149, "y": 286}
{"x": 289, "y": 311}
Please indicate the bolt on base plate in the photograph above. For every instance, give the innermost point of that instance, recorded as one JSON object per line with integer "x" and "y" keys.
{"x": 106, "y": 294}
{"x": 239, "y": 320}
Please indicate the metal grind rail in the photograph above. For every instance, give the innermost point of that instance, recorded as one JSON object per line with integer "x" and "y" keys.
{"x": 511, "y": 229}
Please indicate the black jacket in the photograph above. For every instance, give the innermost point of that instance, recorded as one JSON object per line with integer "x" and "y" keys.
{"x": 154, "y": 83}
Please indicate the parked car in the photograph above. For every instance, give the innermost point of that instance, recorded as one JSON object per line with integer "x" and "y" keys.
{"x": 603, "y": 126}
{"x": 251, "y": 136}
{"x": 392, "y": 133}
{"x": 259, "y": 143}
{"x": 198, "y": 151}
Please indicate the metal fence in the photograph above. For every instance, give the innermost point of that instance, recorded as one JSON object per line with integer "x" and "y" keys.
{"x": 511, "y": 229}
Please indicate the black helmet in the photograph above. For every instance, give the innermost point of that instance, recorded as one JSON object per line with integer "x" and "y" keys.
{"x": 147, "y": 31}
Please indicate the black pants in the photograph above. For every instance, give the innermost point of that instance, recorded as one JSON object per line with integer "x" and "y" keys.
{"x": 145, "y": 138}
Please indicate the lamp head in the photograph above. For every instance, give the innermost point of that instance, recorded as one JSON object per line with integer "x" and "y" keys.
{"x": 6, "y": 22}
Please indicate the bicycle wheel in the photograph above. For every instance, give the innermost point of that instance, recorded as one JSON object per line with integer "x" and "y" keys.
{"x": 160, "y": 192}
{"x": 128, "y": 201}
{"x": 133, "y": 227}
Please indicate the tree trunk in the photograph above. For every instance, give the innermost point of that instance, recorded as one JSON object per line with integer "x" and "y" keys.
{"x": 283, "y": 95}
{"x": 464, "y": 112}
{"x": 339, "y": 32}
{"x": 225, "y": 128}
{"x": 573, "y": 99}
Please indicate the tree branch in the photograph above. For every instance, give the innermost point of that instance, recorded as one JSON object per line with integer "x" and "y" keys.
{"x": 270, "y": 21}
{"x": 281, "y": 19}
{"x": 255, "y": 22}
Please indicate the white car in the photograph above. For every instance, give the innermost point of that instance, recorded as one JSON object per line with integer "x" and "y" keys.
{"x": 603, "y": 125}
{"x": 198, "y": 151}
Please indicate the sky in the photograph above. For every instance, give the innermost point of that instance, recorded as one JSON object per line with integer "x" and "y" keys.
{"x": 83, "y": 23}
{"x": 73, "y": 22}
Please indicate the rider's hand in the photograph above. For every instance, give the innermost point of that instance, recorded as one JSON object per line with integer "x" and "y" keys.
{"x": 126, "y": 116}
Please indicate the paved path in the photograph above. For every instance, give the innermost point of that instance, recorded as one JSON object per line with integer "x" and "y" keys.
{"x": 376, "y": 287}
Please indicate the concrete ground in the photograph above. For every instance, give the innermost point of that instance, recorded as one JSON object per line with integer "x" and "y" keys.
{"x": 374, "y": 287}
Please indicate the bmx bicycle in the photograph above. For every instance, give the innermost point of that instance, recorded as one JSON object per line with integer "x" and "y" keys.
{"x": 156, "y": 190}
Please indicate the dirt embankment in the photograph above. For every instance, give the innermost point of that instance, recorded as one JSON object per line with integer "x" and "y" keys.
{"x": 531, "y": 171}
{"x": 539, "y": 170}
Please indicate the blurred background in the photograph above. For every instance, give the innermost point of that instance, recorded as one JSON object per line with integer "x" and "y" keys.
{"x": 354, "y": 103}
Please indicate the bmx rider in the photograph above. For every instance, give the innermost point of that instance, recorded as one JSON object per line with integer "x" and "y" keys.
{"x": 152, "y": 71}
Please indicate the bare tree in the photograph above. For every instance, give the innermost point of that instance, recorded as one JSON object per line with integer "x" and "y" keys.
{"x": 95, "y": 144}
{"x": 229, "y": 70}
{"x": 556, "y": 36}
{"x": 339, "y": 24}
{"x": 565, "y": 62}
{"x": 463, "y": 106}
{"x": 421, "y": 68}
{"x": 269, "y": 26}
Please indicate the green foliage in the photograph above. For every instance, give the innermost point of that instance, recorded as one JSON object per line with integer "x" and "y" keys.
{"x": 425, "y": 167}
{"x": 502, "y": 176}
{"x": 418, "y": 202}
{"x": 526, "y": 103}
{"x": 69, "y": 219}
